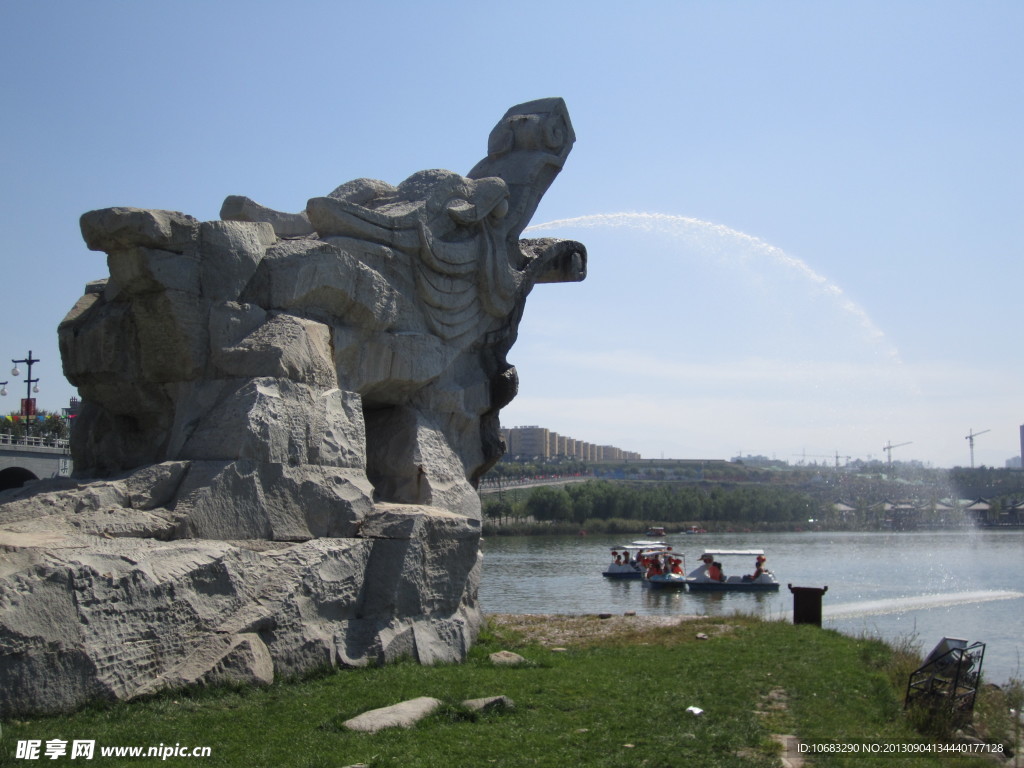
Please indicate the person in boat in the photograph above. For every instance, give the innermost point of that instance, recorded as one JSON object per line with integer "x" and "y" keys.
{"x": 758, "y": 569}
{"x": 676, "y": 563}
{"x": 712, "y": 568}
{"x": 625, "y": 557}
{"x": 654, "y": 569}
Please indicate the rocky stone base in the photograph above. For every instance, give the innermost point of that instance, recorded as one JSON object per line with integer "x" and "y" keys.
{"x": 91, "y": 611}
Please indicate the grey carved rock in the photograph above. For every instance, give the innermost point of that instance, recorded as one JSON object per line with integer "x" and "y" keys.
{"x": 284, "y": 417}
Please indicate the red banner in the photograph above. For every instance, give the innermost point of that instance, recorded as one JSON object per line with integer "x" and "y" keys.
{"x": 28, "y": 406}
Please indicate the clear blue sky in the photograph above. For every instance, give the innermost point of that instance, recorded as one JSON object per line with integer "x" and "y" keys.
{"x": 824, "y": 251}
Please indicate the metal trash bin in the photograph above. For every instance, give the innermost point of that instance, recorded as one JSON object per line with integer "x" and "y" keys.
{"x": 807, "y": 604}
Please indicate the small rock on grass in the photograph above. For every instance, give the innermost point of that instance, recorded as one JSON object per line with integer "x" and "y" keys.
{"x": 489, "y": 703}
{"x": 404, "y": 714}
{"x": 506, "y": 657}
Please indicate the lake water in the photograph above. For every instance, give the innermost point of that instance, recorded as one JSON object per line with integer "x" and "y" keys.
{"x": 921, "y": 586}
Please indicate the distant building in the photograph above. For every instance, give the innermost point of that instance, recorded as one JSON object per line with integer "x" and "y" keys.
{"x": 528, "y": 441}
{"x": 540, "y": 442}
{"x": 71, "y": 412}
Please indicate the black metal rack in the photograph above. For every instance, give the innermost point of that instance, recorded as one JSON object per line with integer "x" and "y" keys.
{"x": 949, "y": 677}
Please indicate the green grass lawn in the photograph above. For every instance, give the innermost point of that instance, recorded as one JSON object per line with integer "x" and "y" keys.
{"x": 607, "y": 700}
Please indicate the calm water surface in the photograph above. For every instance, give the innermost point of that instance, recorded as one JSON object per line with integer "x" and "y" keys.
{"x": 922, "y": 586}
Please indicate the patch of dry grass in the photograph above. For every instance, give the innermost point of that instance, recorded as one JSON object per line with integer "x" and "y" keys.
{"x": 558, "y": 630}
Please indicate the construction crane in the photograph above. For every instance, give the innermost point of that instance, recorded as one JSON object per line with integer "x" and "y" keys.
{"x": 836, "y": 455}
{"x": 888, "y": 449}
{"x": 971, "y": 434}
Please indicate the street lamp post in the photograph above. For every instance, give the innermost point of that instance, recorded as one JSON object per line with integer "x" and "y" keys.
{"x": 28, "y": 405}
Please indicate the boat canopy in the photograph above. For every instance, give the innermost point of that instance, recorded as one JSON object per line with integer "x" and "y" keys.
{"x": 641, "y": 545}
{"x": 726, "y": 552}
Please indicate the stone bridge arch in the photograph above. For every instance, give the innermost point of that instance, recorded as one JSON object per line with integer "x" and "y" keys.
{"x": 15, "y": 477}
{"x": 24, "y": 460}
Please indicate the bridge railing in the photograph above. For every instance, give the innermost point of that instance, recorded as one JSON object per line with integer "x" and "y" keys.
{"x": 33, "y": 442}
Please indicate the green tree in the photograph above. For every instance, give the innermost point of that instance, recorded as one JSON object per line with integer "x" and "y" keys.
{"x": 500, "y": 511}
{"x": 582, "y": 502}
{"x": 549, "y": 503}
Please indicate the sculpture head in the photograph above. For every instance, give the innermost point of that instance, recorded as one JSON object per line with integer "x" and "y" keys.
{"x": 527, "y": 149}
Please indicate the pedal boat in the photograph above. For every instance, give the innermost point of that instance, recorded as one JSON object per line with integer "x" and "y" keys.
{"x": 633, "y": 551}
{"x": 698, "y": 579}
{"x": 669, "y": 572}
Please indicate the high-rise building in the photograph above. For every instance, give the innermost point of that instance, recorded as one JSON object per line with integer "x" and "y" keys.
{"x": 529, "y": 441}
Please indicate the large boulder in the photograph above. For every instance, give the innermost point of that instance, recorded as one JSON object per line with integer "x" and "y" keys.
{"x": 89, "y": 614}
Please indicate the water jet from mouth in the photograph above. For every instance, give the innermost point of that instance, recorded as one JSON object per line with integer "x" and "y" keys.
{"x": 724, "y": 242}
{"x": 915, "y": 603}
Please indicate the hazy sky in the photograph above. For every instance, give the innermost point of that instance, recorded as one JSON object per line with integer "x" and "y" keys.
{"x": 804, "y": 219}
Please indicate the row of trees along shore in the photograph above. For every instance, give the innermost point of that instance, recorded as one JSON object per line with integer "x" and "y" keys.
{"x": 524, "y": 497}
